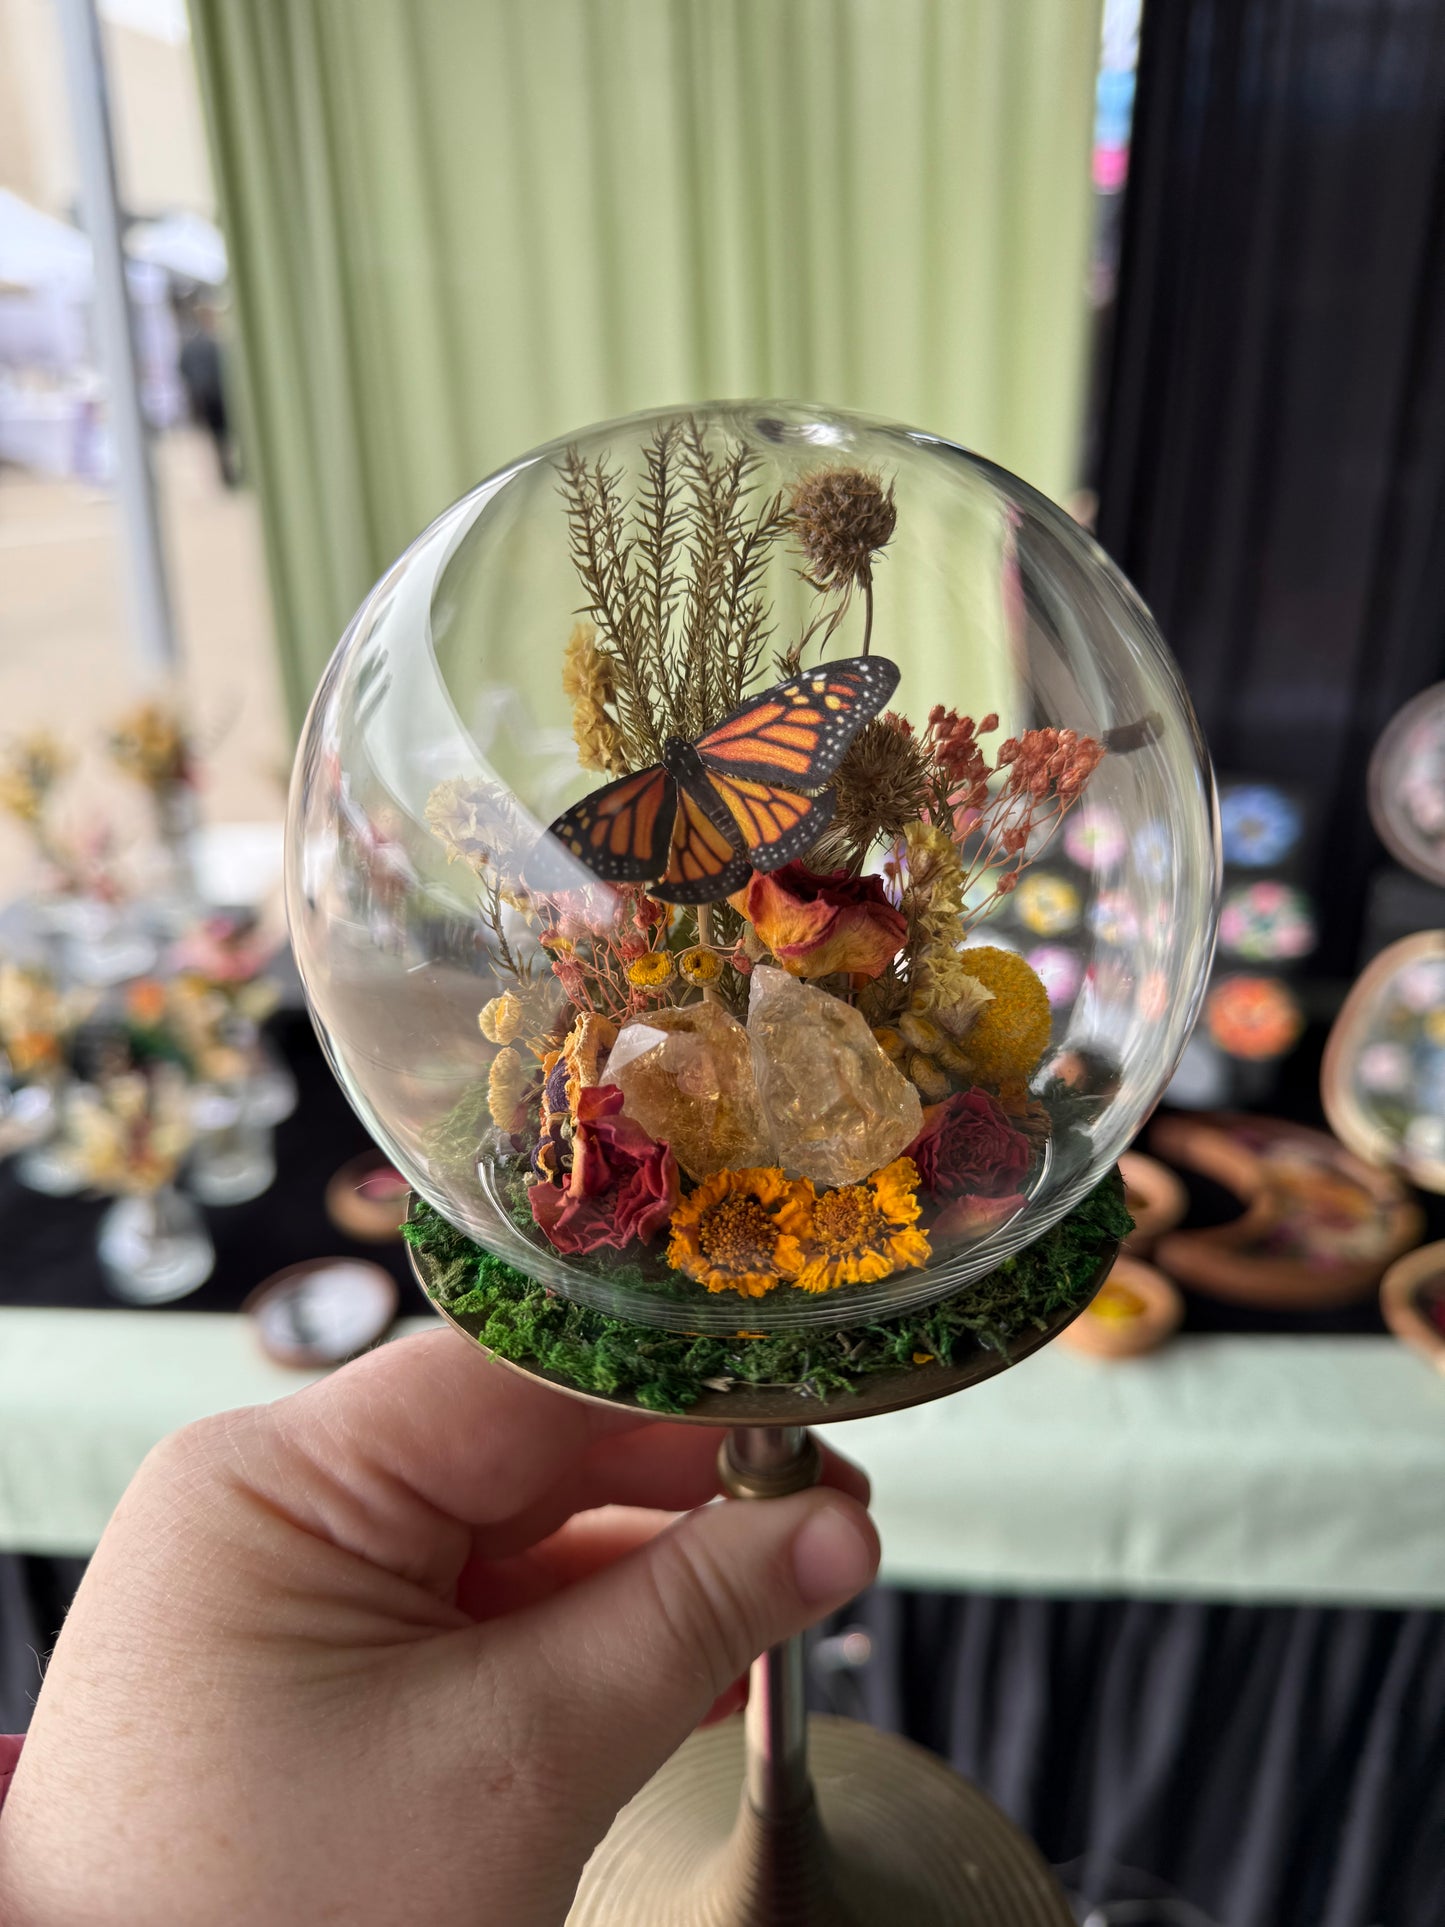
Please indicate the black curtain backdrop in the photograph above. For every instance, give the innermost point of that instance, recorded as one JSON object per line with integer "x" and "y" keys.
{"x": 1271, "y": 469}
{"x": 1270, "y": 1766}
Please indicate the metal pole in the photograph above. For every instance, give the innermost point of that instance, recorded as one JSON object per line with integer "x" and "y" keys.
{"x": 780, "y": 1458}
{"x": 135, "y": 484}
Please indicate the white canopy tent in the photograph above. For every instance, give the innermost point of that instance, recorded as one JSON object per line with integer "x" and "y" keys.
{"x": 50, "y": 415}
{"x": 187, "y": 246}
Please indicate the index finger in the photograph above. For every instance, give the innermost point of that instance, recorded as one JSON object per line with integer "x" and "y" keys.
{"x": 427, "y": 1434}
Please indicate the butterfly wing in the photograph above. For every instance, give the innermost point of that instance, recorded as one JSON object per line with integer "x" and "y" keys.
{"x": 799, "y": 732}
{"x": 703, "y": 863}
{"x": 622, "y": 832}
{"x": 774, "y": 824}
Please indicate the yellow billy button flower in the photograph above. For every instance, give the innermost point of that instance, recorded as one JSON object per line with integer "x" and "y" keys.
{"x": 651, "y": 970}
{"x": 738, "y": 1231}
{"x": 863, "y": 1232}
{"x": 1011, "y": 1032}
{"x": 699, "y": 966}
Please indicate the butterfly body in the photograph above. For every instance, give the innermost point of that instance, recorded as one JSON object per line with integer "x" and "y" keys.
{"x": 743, "y": 797}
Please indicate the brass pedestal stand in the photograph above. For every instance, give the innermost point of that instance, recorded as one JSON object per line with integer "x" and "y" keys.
{"x": 778, "y": 1820}
{"x": 838, "y": 1825}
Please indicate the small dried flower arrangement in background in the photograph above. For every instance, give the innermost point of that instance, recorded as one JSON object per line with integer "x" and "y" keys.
{"x": 740, "y": 1033}
{"x": 150, "y": 744}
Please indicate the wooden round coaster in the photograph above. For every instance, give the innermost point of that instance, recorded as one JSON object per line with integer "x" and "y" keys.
{"x": 1412, "y": 1299}
{"x": 1135, "y": 1310}
{"x": 1318, "y": 1226}
{"x": 322, "y": 1312}
{"x": 368, "y": 1199}
{"x": 1157, "y": 1199}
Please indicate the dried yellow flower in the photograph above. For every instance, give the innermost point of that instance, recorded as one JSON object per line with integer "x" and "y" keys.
{"x": 130, "y": 1134}
{"x": 586, "y": 672}
{"x": 650, "y": 971}
{"x": 700, "y": 966}
{"x": 588, "y": 680}
{"x": 150, "y": 744}
{"x": 860, "y": 1233}
{"x": 506, "y": 1084}
{"x": 585, "y": 1052}
{"x": 920, "y": 1031}
{"x": 1012, "y": 1032}
{"x": 934, "y": 872}
{"x": 32, "y": 768}
{"x": 931, "y": 1083}
{"x": 501, "y": 1019}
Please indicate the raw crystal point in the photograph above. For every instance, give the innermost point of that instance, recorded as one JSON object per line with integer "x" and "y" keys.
{"x": 835, "y": 1107}
{"x": 687, "y": 1077}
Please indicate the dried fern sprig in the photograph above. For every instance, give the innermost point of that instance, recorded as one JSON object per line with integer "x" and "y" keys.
{"x": 673, "y": 580}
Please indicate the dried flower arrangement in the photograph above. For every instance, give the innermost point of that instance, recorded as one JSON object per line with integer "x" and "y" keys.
{"x": 130, "y": 1134}
{"x": 38, "y": 1021}
{"x": 741, "y": 1036}
{"x": 150, "y": 743}
{"x": 32, "y": 770}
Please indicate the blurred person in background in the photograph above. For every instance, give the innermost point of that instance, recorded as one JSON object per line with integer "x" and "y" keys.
{"x": 204, "y": 380}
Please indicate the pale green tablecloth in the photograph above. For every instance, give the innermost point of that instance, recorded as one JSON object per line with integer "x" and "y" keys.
{"x": 1229, "y": 1468}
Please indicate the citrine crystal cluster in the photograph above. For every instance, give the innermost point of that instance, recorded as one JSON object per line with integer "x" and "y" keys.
{"x": 804, "y": 1085}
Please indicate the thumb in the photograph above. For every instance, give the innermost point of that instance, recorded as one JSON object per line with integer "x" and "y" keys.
{"x": 646, "y": 1646}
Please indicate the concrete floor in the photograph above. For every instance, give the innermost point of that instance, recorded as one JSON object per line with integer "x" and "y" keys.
{"x": 68, "y": 663}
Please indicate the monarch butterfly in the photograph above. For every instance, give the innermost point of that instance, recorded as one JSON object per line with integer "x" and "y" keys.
{"x": 695, "y": 825}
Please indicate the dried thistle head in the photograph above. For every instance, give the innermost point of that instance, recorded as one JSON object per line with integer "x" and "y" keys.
{"x": 882, "y": 786}
{"x": 842, "y": 517}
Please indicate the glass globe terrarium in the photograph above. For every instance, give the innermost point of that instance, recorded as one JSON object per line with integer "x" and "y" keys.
{"x": 652, "y": 852}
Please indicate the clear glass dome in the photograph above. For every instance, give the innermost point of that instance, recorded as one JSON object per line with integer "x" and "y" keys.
{"x": 652, "y": 857}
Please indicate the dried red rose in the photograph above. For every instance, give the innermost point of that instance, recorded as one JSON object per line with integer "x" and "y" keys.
{"x": 968, "y": 1148}
{"x": 621, "y": 1186}
{"x": 815, "y": 925}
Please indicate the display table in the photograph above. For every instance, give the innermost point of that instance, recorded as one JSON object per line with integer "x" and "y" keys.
{"x": 1228, "y": 1468}
{"x": 1180, "y": 1615}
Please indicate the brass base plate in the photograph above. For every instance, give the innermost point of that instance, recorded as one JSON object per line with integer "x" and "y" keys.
{"x": 906, "y": 1840}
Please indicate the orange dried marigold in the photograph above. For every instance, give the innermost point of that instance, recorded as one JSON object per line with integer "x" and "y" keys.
{"x": 860, "y": 1233}
{"x": 738, "y": 1231}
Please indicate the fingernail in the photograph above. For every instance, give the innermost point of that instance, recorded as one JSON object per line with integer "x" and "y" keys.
{"x": 833, "y": 1558}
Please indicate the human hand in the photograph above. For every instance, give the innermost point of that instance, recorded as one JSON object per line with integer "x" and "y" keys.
{"x": 395, "y": 1650}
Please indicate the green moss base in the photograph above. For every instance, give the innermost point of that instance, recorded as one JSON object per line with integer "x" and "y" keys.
{"x": 668, "y": 1371}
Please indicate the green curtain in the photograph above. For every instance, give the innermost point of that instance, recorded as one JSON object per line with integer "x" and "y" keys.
{"x": 461, "y": 227}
